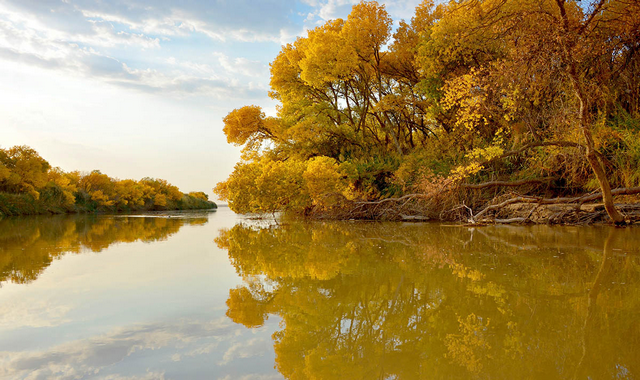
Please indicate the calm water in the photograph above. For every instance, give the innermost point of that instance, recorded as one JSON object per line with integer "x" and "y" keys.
{"x": 217, "y": 296}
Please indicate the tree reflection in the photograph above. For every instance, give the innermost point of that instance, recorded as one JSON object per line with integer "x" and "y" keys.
{"x": 408, "y": 301}
{"x": 29, "y": 245}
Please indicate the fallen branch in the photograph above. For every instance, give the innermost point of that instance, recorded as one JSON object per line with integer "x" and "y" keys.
{"x": 413, "y": 217}
{"x": 503, "y": 204}
{"x": 618, "y": 191}
{"x": 511, "y": 220}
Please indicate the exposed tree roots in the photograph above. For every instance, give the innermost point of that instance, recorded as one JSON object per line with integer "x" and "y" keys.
{"x": 447, "y": 203}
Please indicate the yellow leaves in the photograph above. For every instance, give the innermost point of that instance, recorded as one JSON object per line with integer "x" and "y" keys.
{"x": 470, "y": 347}
{"x": 96, "y": 181}
{"x": 129, "y": 193}
{"x": 465, "y": 171}
{"x": 368, "y": 28}
{"x": 243, "y": 308}
{"x": 327, "y": 55}
{"x": 465, "y": 96}
{"x": 463, "y": 271}
{"x": 280, "y": 185}
{"x": 22, "y": 170}
{"x": 67, "y": 183}
{"x": 248, "y": 126}
{"x": 240, "y": 124}
{"x": 4, "y": 172}
{"x": 480, "y": 154}
{"x": 101, "y": 198}
{"x": 325, "y": 181}
{"x": 199, "y": 195}
{"x": 160, "y": 200}
{"x": 285, "y": 72}
{"x": 487, "y": 153}
{"x": 338, "y": 49}
{"x": 424, "y": 17}
{"x": 265, "y": 185}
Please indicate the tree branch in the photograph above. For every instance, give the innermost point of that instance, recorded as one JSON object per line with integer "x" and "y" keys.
{"x": 484, "y": 185}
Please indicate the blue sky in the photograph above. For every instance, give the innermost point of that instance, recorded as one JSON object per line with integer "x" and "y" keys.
{"x": 139, "y": 88}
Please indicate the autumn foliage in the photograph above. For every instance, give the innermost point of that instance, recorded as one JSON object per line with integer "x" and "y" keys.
{"x": 463, "y": 93}
{"x": 29, "y": 185}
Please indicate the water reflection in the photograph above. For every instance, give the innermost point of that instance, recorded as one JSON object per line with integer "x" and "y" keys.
{"x": 411, "y": 301}
{"x": 29, "y": 245}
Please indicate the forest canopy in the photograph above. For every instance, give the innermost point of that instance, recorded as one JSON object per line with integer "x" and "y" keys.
{"x": 465, "y": 105}
{"x": 29, "y": 185}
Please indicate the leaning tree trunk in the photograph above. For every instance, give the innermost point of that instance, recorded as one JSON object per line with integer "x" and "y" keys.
{"x": 583, "y": 119}
{"x": 594, "y": 160}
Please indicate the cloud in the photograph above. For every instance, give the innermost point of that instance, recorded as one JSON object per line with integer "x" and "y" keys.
{"x": 29, "y": 47}
{"x": 70, "y": 26}
{"x": 242, "y": 20}
{"x": 147, "y": 376}
{"x": 91, "y": 39}
{"x": 324, "y": 10}
{"x": 243, "y": 350}
{"x": 133, "y": 44}
{"x": 81, "y": 358}
{"x": 253, "y": 376}
{"x": 243, "y": 66}
{"x": 26, "y": 313}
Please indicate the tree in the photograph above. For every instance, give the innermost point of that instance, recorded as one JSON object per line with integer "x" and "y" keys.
{"x": 22, "y": 170}
{"x": 500, "y": 92}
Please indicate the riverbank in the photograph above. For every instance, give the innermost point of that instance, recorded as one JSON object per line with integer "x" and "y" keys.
{"x": 447, "y": 205}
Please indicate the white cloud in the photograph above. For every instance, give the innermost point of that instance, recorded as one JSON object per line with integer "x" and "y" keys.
{"x": 147, "y": 376}
{"x": 241, "y": 20}
{"x": 79, "y": 359}
{"x": 26, "y": 313}
{"x": 244, "y": 350}
{"x": 31, "y": 47}
{"x": 324, "y": 10}
{"x": 243, "y": 66}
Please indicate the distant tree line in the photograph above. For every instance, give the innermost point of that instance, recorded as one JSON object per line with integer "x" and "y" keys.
{"x": 29, "y": 185}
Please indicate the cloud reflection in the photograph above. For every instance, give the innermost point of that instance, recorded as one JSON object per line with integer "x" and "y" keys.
{"x": 90, "y": 357}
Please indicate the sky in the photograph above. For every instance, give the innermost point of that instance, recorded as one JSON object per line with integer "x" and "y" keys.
{"x": 138, "y": 88}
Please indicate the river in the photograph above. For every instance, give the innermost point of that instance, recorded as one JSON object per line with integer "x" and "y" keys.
{"x": 214, "y": 295}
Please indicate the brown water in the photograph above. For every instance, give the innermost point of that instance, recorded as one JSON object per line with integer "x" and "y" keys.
{"x": 216, "y": 296}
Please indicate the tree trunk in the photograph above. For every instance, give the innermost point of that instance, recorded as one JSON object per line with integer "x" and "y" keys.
{"x": 568, "y": 44}
{"x": 595, "y": 163}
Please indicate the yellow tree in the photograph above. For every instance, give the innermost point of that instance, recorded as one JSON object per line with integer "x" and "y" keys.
{"x": 22, "y": 170}
{"x": 100, "y": 188}
{"x": 544, "y": 70}
{"x": 66, "y": 183}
